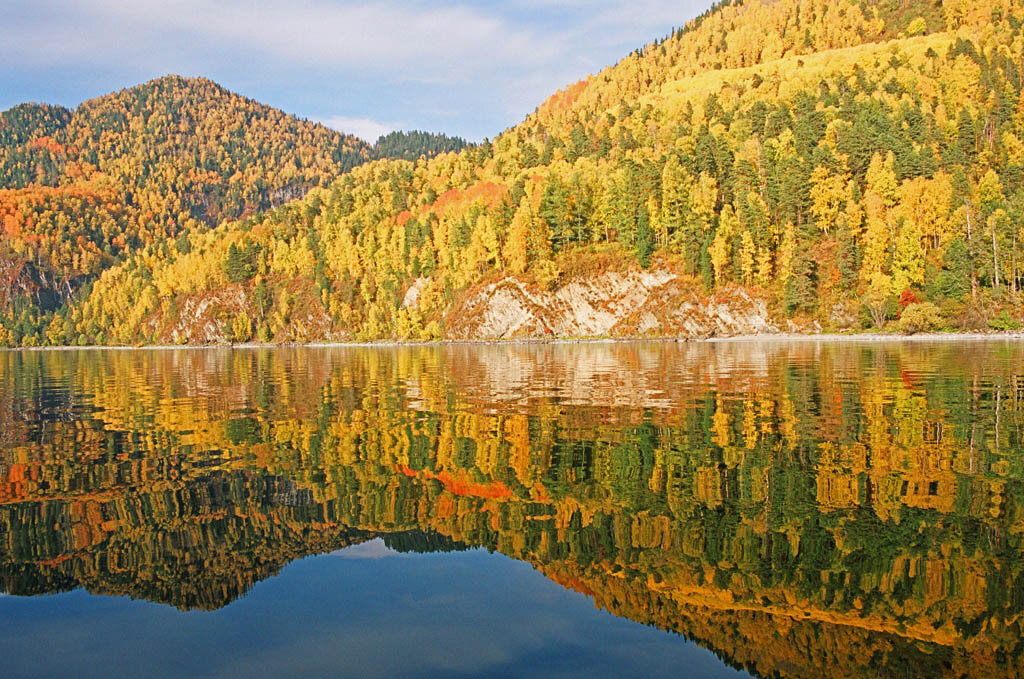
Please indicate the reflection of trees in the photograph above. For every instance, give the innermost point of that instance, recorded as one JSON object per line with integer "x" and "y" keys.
{"x": 806, "y": 504}
{"x": 200, "y": 546}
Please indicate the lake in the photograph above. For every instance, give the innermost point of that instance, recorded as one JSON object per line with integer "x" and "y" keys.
{"x": 754, "y": 508}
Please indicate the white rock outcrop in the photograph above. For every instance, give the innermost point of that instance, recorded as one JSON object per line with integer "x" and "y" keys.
{"x": 615, "y": 304}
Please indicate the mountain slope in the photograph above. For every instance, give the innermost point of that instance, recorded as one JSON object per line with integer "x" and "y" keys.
{"x": 28, "y": 151}
{"x": 835, "y": 161}
{"x": 138, "y": 167}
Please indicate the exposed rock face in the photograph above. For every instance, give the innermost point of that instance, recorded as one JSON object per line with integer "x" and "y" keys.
{"x": 15, "y": 279}
{"x": 204, "y": 319}
{"x": 639, "y": 303}
{"x": 209, "y": 319}
{"x": 412, "y": 295}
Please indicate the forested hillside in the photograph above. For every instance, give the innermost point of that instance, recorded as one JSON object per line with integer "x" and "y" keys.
{"x": 842, "y": 163}
{"x": 134, "y": 169}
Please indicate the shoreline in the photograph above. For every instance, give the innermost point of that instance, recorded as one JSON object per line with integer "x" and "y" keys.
{"x": 766, "y": 337}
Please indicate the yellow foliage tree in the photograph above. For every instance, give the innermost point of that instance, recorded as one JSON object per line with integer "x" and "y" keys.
{"x": 748, "y": 253}
{"x": 721, "y": 246}
{"x": 877, "y": 237}
{"x": 828, "y": 193}
{"x": 515, "y": 251}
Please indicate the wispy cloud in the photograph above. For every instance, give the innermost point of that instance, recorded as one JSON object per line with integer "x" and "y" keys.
{"x": 411, "y": 40}
{"x": 366, "y": 129}
{"x": 373, "y": 549}
{"x": 360, "y": 61}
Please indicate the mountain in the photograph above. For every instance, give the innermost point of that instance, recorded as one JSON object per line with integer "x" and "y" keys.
{"x": 136, "y": 168}
{"x": 796, "y": 163}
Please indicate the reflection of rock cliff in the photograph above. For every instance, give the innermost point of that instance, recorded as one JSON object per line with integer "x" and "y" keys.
{"x": 789, "y": 506}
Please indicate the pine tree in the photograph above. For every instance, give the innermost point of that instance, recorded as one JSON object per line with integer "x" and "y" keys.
{"x": 644, "y": 240}
{"x": 554, "y": 211}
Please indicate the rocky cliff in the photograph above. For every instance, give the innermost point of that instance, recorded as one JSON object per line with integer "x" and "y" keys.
{"x": 655, "y": 303}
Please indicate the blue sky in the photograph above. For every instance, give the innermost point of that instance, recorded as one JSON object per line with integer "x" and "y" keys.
{"x": 469, "y": 68}
{"x": 462, "y": 614}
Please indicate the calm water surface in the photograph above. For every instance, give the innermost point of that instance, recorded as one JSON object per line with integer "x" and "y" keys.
{"x": 706, "y": 510}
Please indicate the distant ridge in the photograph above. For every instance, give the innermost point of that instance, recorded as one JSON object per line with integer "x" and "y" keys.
{"x": 139, "y": 167}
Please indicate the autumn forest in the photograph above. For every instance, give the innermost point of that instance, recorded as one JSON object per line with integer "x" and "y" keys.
{"x": 844, "y": 165}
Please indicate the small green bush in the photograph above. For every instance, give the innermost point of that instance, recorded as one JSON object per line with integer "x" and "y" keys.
{"x": 954, "y": 312}
{"x": 920, "y": 317}
{"x": 1004, "y": 321}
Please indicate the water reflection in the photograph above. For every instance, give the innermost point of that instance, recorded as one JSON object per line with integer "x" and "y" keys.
{"x": 792, "y": 506}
